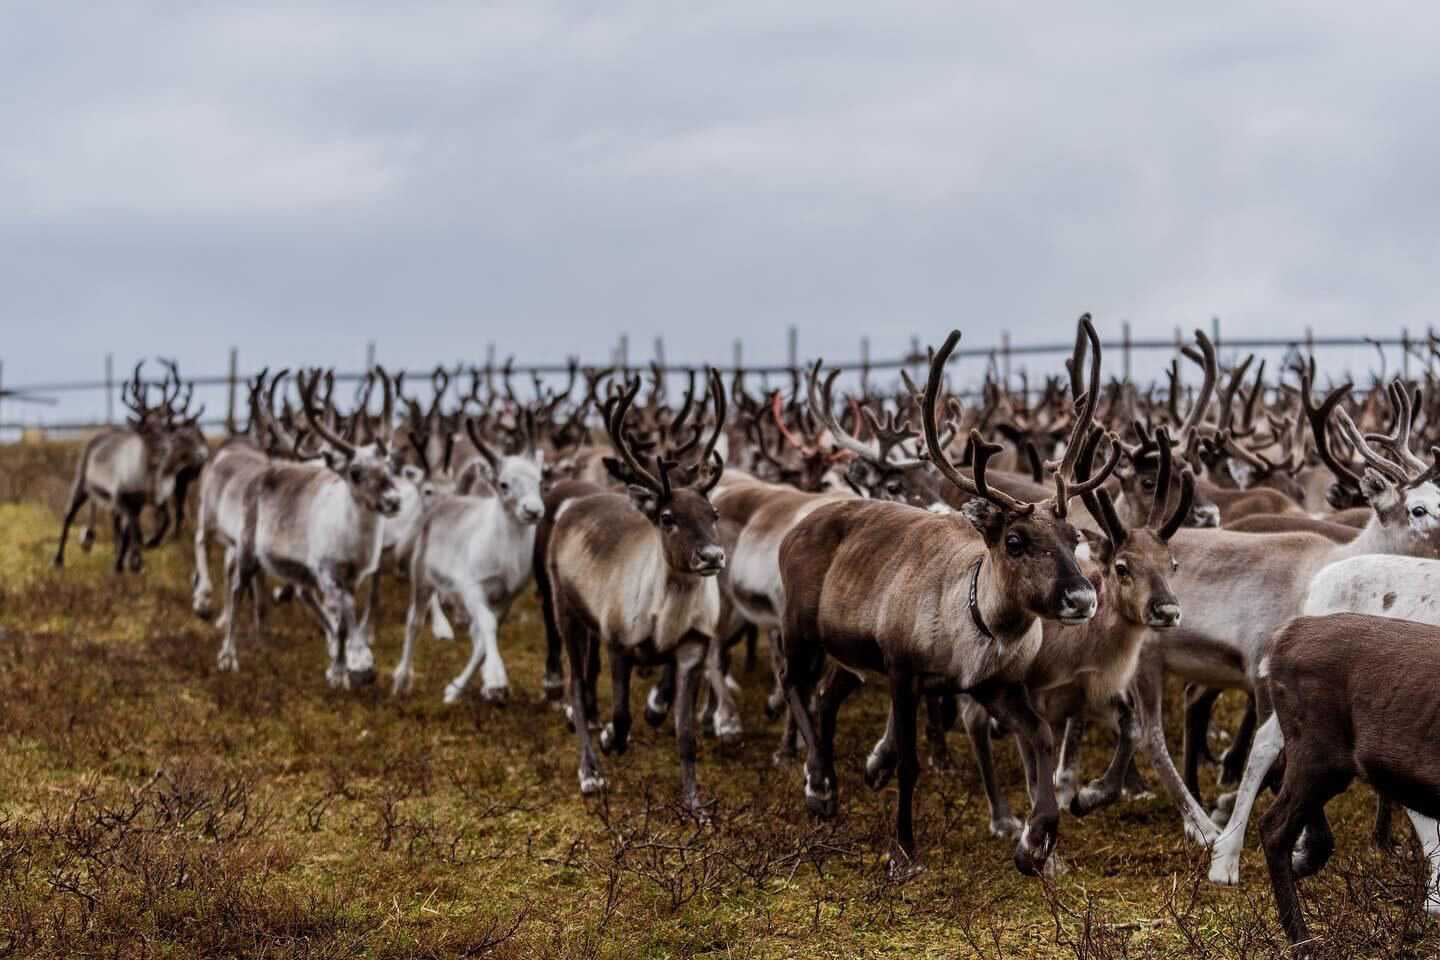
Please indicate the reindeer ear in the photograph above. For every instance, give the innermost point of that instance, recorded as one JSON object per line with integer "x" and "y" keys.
{"x": 863, "y": 474}
{"x": 1101, "y": 549}
{"x": 986, "y": 517}
{"x": 644, "y": 498}
{"x": 1379, "y": 492}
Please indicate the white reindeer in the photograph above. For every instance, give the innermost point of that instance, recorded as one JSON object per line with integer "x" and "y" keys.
{"x": 476, "y": 550}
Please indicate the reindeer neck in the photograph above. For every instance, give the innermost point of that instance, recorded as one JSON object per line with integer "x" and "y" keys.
{"x": 1006, "y": 620}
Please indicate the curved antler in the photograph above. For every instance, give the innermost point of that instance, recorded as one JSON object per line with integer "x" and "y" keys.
{"x": 316, "y": 418}
{"x": 982, "y": 450}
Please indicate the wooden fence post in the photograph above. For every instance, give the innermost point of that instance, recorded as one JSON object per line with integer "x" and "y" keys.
{"x": 230, "y": 388}
{"x": 1125, "y": 348}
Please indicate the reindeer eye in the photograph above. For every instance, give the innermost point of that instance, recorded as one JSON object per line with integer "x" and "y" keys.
{"x": 1419, "y": 512}
{"x": 893, "y": 487}
{"x": 1174, "y": 565}
{"x": 1148, "y": 483}
{"x": 667, "y": 519}
{"x": 355, "y": 474}
{"x": 1122, "y": 570}
{"x": 1014, "y": 545}
{"x": 504, "y": 486}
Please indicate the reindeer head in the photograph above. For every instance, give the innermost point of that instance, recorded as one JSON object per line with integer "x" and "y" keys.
{"x": 1032, "y": 546}
{"x": 369, "y": 471}
{"x": 1139, "y": 473}
{"x": 516, "y": 477}
{"x": 1137, "y": 561}
{"x": 675, "y": 498}
{"x": 1401, "y": 489}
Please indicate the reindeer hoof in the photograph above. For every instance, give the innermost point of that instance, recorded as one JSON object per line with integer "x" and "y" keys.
{"x": 554, "y": 686}
{"x": 453, "y": 693}
{"x": 1225, "y": 869}
{"x": 591, "y": 784}
{"x": 610, "y": 742}
{"x": 821, "y": 801}
{"x": 879, "y": 768}
{"x": 902, "y": 867}
{"x": 400, "y": 683}
{"x": 359, "y": 679}
{"x": 58, "y": 563}
{"x": 1030, "y": 856}
{"x": 335, "y": 677}
{"x": 497, "y": 695}
{"x": 227, "y": 663}
{"x": 136, "y": 563}
{"x": 729, "y": 733}
{"x": 774, "y": 709}
{"x": 203, "y": 610}
{"x": 656, "y": 709}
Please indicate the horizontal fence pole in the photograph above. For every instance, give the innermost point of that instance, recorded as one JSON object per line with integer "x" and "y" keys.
{"x": 1303, "y": 342}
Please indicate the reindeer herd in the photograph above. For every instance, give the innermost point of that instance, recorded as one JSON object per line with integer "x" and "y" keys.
{"x": 1025, "y": 564}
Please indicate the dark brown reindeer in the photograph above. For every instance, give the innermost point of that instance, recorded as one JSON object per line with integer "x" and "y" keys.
{"x": 635, "y": 572}
{"x": 124, "y": 469}
{"x": 1355, "y": 697}
{"x": 929, "y": 603}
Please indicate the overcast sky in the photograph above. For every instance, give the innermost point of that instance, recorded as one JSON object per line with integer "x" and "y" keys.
{"x": 296, "y": 179}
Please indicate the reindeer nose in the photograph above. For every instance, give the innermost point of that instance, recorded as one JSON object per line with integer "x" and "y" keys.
{"x": 710, "y": 559}
{"x": 1164, "y": 613}
{"x": 1077, "y": 604}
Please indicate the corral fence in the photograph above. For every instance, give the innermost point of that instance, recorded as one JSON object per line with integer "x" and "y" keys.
{"x": 27, "y": 409}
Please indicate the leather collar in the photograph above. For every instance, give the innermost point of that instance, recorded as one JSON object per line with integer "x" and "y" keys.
{"x": 974, "y": 605}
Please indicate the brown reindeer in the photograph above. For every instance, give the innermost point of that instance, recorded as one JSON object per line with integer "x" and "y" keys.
{"x": 635, "y": 571}
{"x": 935, "y": 601}
{"x": 1355, "y": 697}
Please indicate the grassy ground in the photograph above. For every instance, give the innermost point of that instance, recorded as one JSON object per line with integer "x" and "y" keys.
{"x": 150, "y": 806}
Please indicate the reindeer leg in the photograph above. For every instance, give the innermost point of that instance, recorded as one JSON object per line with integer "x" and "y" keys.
{"x": 1428, "y": 833}
{"x": 661, "y": 695}
{"x": 941, "y": 711}
{"x": 483, "y": 627}
{"x": 420, "y": 599}
{"x": 1306, "y": 790}
{"x": 689, "y": 658}
{"x": 1011, "y": 703}
{"x": 752, "y": 640}
{"x": 616, "y": 735}
{"x": 158, "y": 537}
{"x": 1225, "y": 856}
{"x": 237, "y": 575}
{"x": 1065, "y": 776}
{"x": 905, "y": 861}
{"x": 721, "y": 712}
{"x": 87, "y": 534}
{"x": 1232, "y": 761}
{"x": 836, "y": 688}
{"x": 1105, "y": 791}
{"x": 1150, "y": 684}
{"x": 78, "y": 496}
{"x": 976, "y": 721}
{"x": 575, "y": 635}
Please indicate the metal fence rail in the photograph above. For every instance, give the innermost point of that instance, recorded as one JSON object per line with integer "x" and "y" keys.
{"x": 1424, "y": 350}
